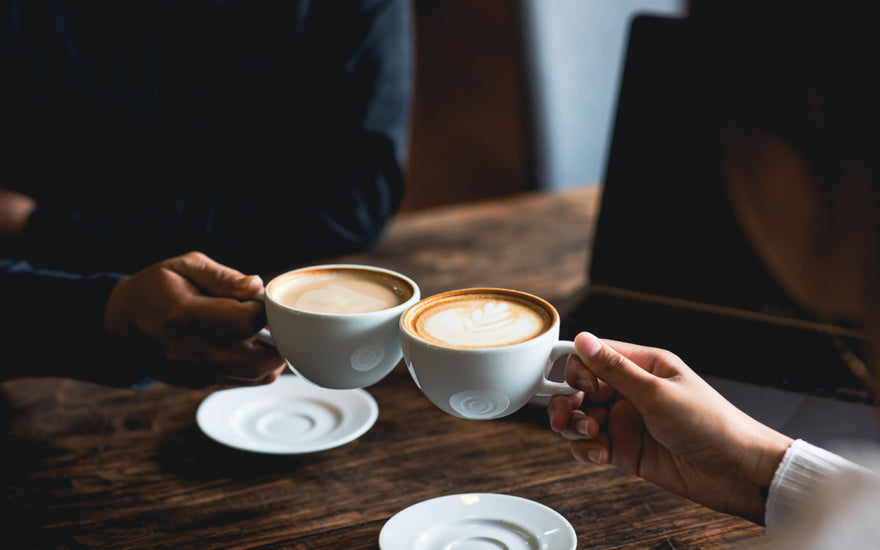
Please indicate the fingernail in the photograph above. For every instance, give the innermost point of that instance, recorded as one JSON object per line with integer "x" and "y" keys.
{"x": 251, "y": 282}
{"x": 590, "y": 345}
{"x": 594, "y": 456}
{"x": 581, "y": 428}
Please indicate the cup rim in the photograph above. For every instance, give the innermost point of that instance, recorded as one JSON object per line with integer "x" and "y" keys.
{"x": 414, "y": 296}
{"x": 477, "y": 290}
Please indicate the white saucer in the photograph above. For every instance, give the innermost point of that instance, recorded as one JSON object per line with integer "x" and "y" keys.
{"x": 288, "y": 416}
{"x": 476, "y": 522}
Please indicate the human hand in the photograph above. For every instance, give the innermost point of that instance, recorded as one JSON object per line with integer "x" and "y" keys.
{"x": 191, "y": 322}
{"x": 643, "y": 410}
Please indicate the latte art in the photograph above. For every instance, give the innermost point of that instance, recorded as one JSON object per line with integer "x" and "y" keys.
{"x": 484, "y": 324}
{"x": 490, "y": 318}
{"x": 473, "y": 320}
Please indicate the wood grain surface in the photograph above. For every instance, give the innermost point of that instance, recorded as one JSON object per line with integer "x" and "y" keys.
{"x": 88, "y": 466}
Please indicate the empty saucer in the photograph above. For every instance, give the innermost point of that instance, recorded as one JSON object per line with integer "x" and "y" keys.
{"x": 477, "y": 521}
{"x": 288, "y": 416}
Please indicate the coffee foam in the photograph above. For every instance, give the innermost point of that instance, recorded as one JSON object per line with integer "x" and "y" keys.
{"x": 337, "y": 299}
{"x": 341, "y": 291}
{"x": 474, "y": 320}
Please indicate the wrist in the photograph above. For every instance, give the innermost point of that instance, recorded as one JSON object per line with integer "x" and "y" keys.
{"x": 116, "y": 325}
{"x": 760, "y": 460}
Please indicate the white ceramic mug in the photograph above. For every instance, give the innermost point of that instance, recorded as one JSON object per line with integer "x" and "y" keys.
{"x": 337, "y": 349}
{"x": 483, "y": 353}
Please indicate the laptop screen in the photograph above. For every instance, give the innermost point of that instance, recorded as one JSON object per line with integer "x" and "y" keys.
{"x": 665, "y": 226}
{"x": 670, "y": 266}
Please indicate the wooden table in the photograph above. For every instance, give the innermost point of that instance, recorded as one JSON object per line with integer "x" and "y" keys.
{"x": 95, "y": 467}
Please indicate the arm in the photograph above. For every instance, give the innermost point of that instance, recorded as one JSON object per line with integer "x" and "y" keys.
{"x": 52, "y": 321}
{"x": 284, "y": 123}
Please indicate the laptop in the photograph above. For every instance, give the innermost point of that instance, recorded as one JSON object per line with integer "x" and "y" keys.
{"x": 670, "y": 267}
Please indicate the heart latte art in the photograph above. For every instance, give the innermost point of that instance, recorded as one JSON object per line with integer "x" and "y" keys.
{"x": 484, "y": 319}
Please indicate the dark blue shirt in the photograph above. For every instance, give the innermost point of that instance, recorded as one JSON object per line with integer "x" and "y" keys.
{"x": 264, "y": 134}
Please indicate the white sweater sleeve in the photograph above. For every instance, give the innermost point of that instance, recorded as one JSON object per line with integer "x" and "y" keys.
{"x": 800, "y": 479}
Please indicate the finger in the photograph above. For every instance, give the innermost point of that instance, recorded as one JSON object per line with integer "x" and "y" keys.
{"x": 611, "y": 366}
{"x": 233, "y": 381}
{"x": 560, "y": 409}
{"x": 240, "y": 360}
{"x": 244, "y": 360}
{"x": 604, "y": 394}
{"x": 578, "y": 375}
{"x": 659, "y": 362}
{"x": 600, "y": 414}
{"x": 214, "y": 278}
{"x": 625, "y": 428}
{"x": 581, "y": 426}
{"x": 594, "y": 451}
{"x": 221, "y": 319}
{"x": 200, "y": 376}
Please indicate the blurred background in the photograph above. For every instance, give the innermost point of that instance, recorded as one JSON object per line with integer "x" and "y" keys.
{"x": 514, "y": 95}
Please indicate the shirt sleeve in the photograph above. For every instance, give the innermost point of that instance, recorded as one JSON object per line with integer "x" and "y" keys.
{"x": 52, "y": 324}
{"x": 265, "y": 136}
{"x": 800, "y": 479}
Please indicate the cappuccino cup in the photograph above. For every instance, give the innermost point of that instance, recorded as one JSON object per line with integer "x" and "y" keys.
{"x": 483, "y": 353}
{"x": 337, "y": 325}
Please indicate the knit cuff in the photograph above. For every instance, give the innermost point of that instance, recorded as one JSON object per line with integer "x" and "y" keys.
{"x": 798, "y": 480}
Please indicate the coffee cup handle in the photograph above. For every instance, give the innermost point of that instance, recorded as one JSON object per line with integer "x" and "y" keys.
{"x": 264, "y": 335}
{"x": 549, "y": 387}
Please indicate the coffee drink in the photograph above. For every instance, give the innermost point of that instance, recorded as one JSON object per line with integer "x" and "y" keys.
{"x": 479, "y": 318}
{"x": 483, "y": 353}
{"x": 340, "y": 290}
{"x": 338, "y": 325}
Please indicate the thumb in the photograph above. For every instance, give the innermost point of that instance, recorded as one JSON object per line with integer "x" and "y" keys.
{"x": 611, "y": 366}
{"x": 214, "y": 278}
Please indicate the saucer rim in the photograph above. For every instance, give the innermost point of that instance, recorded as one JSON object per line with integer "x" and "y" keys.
{"x": 294, "y": 385}
{"x": 389, "y": 529}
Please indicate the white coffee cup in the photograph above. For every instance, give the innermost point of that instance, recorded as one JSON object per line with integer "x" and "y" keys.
{"x": 336, "y": 325}
{"x": 483, "y": 353}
